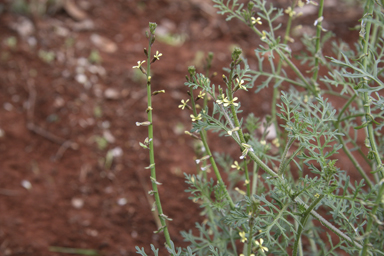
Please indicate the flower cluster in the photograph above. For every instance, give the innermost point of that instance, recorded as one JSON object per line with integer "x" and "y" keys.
{"x": 290, "y": 12}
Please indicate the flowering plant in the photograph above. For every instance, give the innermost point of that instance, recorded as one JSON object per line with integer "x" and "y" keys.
{"x": 289, "y": 180}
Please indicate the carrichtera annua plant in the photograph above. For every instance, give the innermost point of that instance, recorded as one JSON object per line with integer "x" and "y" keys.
{"x": 148, "y": 142}
{"x": 291, "y": 195}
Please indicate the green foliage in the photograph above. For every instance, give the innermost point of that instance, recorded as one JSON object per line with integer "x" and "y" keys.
{"x": 279, "y": 188}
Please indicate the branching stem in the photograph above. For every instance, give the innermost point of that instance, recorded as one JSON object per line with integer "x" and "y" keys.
{"x": 303, "y": 221}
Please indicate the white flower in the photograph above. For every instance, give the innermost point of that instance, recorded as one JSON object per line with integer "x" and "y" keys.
{"x": 260, "y": 245}
{"x": 254, "y": 21}
{"x": 243, "y": 238}
{"x": 183, "y": 104}
{"x": 139, "y": 63}
{"x": 158, "y": 55}
{"x": 196, "y": 118}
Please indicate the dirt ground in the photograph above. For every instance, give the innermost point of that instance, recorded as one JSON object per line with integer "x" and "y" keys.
{"x": 71, "y": 169}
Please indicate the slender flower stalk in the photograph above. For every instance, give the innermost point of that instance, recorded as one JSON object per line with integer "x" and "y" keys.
{"x": 163, "y": 218}
{"x": 208, "y": 152}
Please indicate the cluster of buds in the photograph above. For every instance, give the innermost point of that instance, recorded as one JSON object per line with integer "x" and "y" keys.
{"x": 318, "y": 22}
{"x": 151, "y": 37}
{"x": 233, "y": 130}
{"x": 202, "y": 159}
{"x": 146, "y": 143}
{"x": 247, "y": 148}
{"x": 158, "y": 92}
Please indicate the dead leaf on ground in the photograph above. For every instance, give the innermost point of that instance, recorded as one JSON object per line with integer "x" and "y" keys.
{"x": 74, "y": 11}
{"x": 103, "y": 43}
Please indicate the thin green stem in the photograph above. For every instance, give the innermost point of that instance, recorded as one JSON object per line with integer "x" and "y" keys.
{"x": 208, "y": 151}
{"x": 375, "y": 30}
{"x": 288, "y": 61}
{"x": 362, "y": 154}
{"x": 346, "y": 105}
{"x": 236, "y": 121}
{"x": 312, "y": 234}
{"x": 300, "y": 244}
{"x": 278, "y": 77}
{"x": 369, "y": 129}
{"x": 207, "y": 68}
{"x": 232, "y": 107}
{"x": 296, "y": 70}
{"x": 250, "y": 233}
{"x": 254, "y": 178}
{"x": 284, "y": 155}
{"x": 351, "y": 117}
{"x": 151, "y": 148}
{"x": 303, "y": 222}
{"x": 233, "y": 243}
{"x": 248, "y": 183}
{"x": 345, "y": 148}
{"x": 329, "y": 225}
{"x": 370, "y": 221}
{"x": 335, "y": 94}
{"x": 318, "y": 36}
{"x": 286, "y": 163}
{"x": 355, "y": 162}
{"x": 276, "y": 91}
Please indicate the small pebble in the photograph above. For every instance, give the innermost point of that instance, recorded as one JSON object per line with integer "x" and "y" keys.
{"x": 122, "y": 201}
{"x": 117, "y": 152}
{"x": 111, "y": 94}
{"x": 8, "y": 106}
{"x": 77, "y": 203}
{"x": 81, "y": 78}
{"x": 26, "y": 184}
